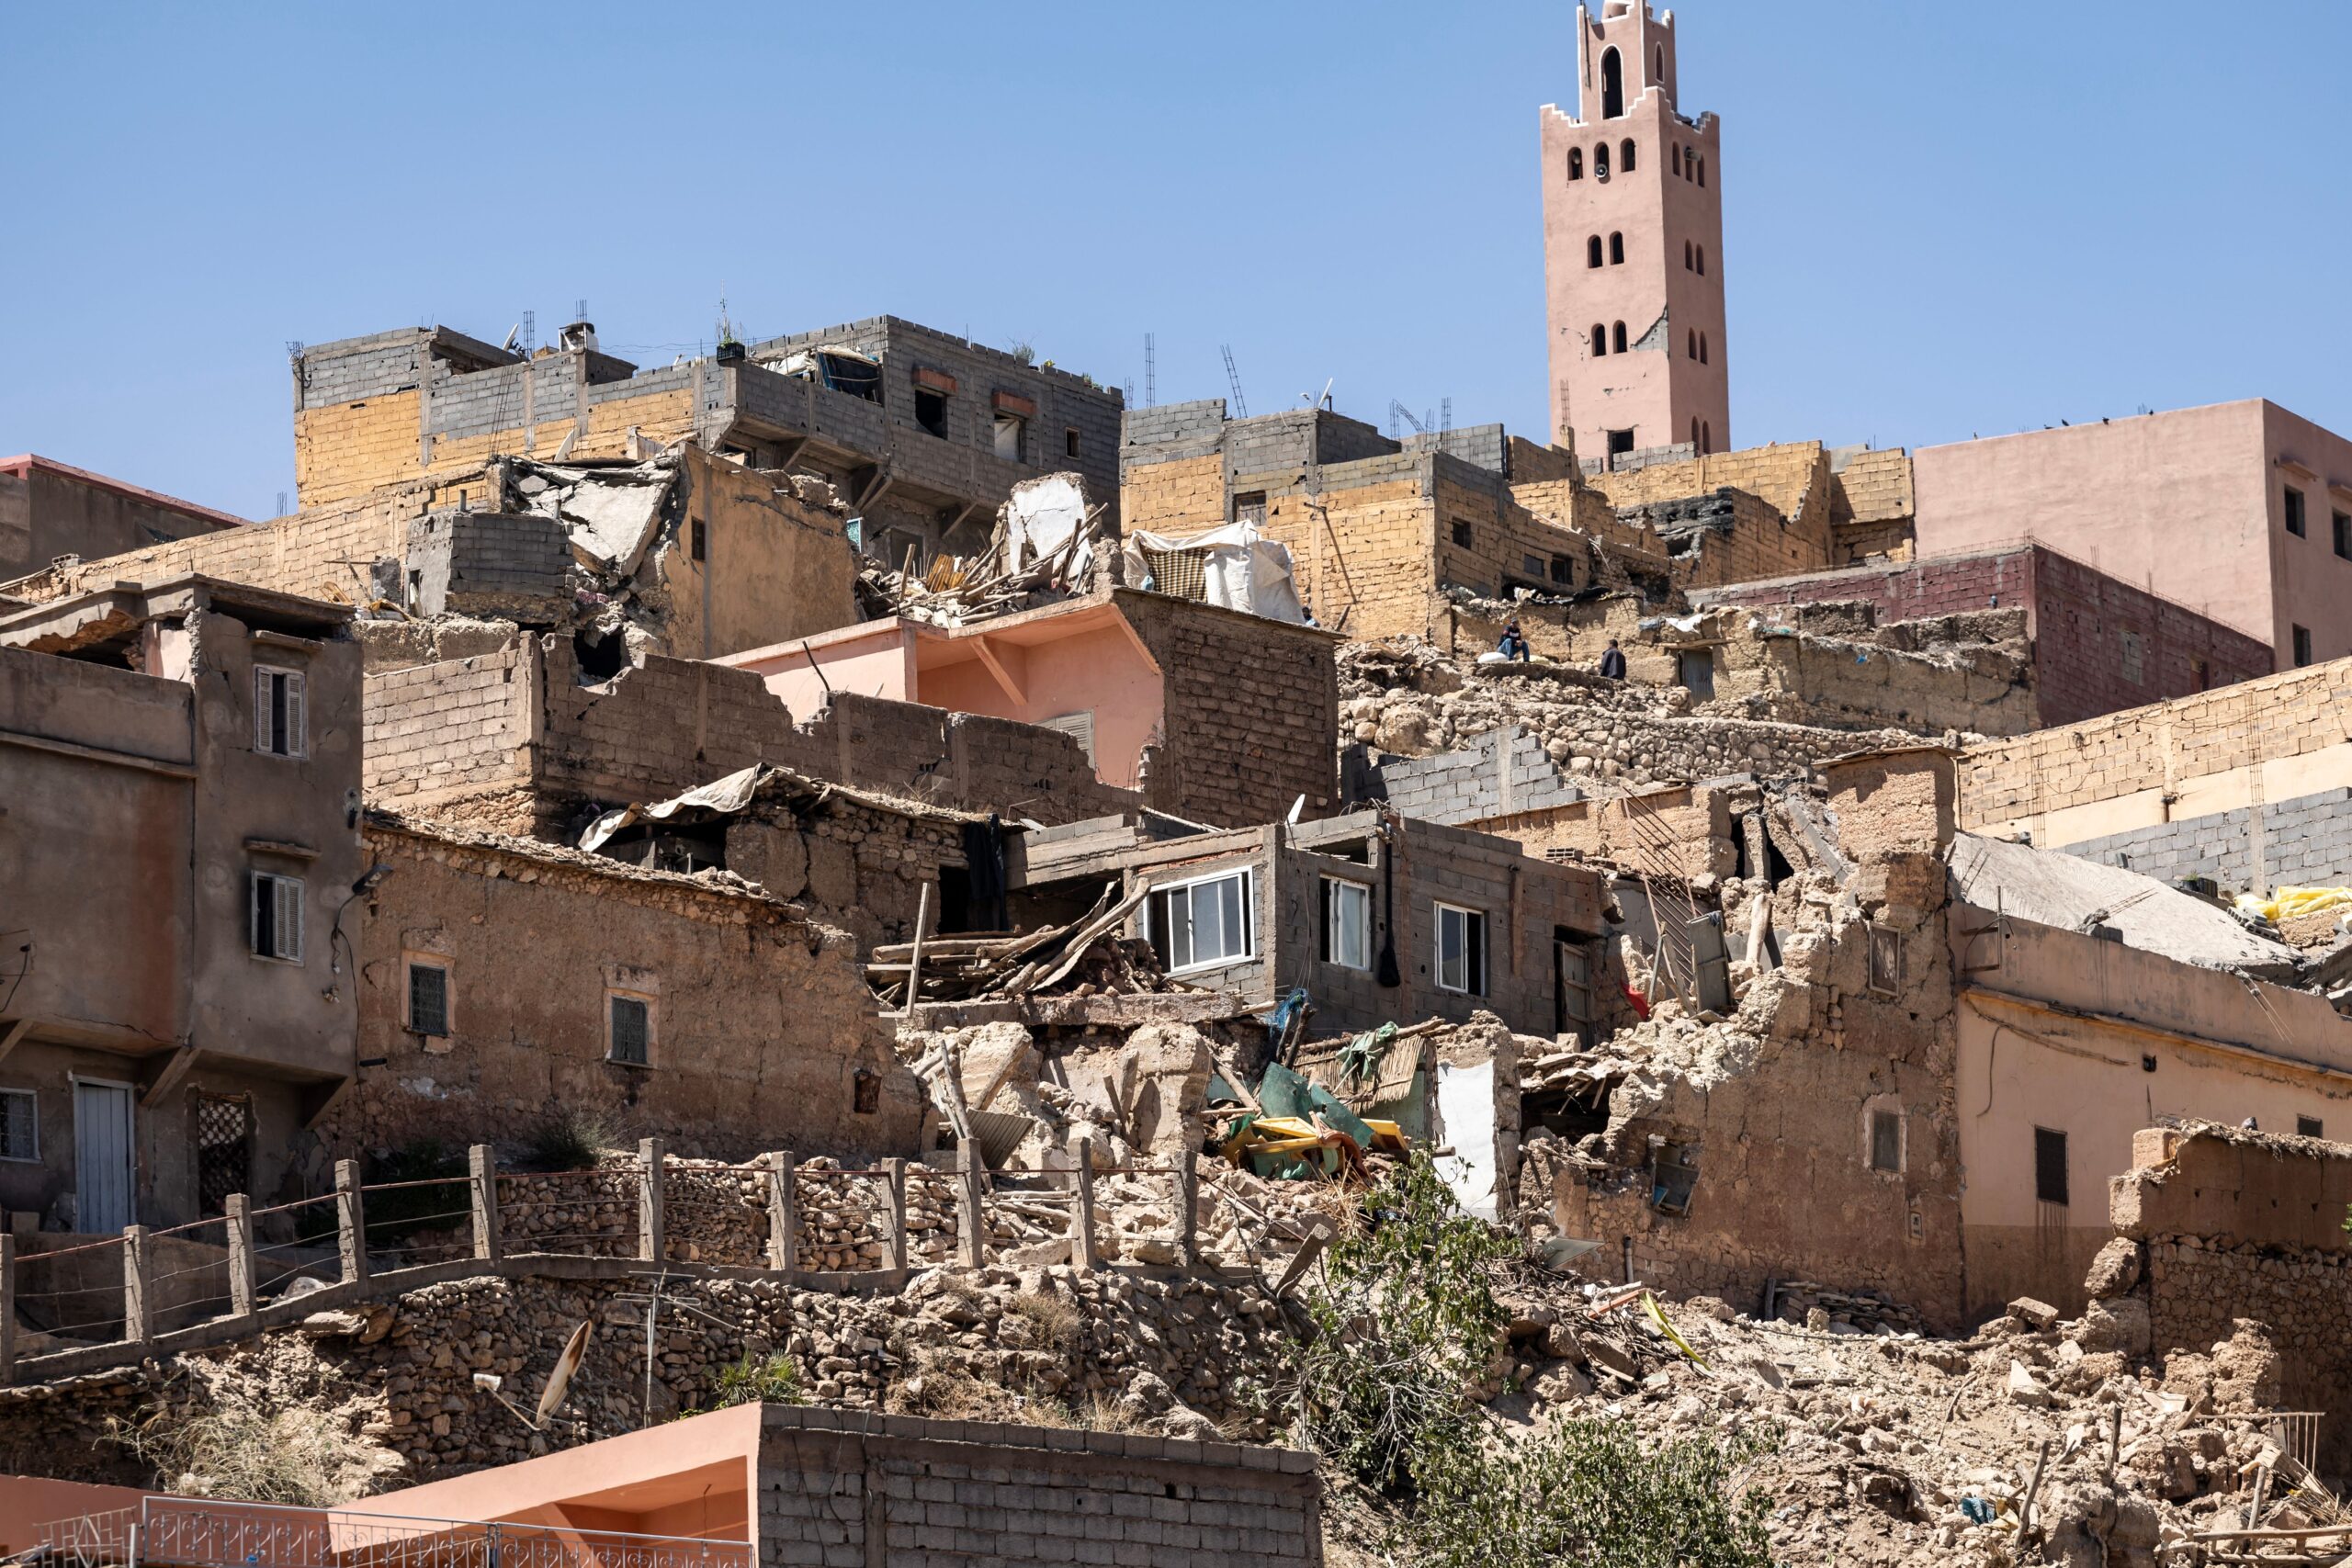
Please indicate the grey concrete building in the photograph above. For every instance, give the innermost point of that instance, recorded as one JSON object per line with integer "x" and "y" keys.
{"x": 50, "y": 509}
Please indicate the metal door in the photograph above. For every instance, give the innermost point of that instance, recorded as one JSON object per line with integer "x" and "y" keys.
{"x": 102, "y": 1157}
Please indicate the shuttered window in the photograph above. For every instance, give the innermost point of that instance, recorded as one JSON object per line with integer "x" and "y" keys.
{"x": 277, "y": 916}
{"x": 428, "y": 999}
{"x": 632, "y": 1031}
{"x": 278, "y": 712}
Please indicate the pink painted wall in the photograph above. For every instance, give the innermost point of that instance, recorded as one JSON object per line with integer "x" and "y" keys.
{"x": 1100, "y": 670}
{"x": 2188, "y": 504}
{"x": 874, "y": 659}
{"x": 29, "y": 1502}
{"x": 1658, "y": 392}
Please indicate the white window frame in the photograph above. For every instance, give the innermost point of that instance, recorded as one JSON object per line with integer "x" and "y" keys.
{"x": 298, "y": 744}
{"x": 1477, "y": 983}
{"x": 410, "y": 963}
{"x": 1248, "y": 876}
{"x": 652, "y": 1005}
{"x": 287, "y": 895}
{"x": 32, "y": 1098}
{"x": 1335, "y": 887}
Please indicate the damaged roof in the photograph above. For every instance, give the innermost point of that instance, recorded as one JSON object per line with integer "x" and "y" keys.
{"x": 2056, "y": 889}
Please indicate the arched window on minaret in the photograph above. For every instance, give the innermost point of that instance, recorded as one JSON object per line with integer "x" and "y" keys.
{"x": 1625, "y": 155}
{"x": 1689, "y": 164}
{"x": 1616, "y": 250}
{"x": 1702, "y": 174}
{"x": 1592, "y": 251}
{"x": 1694, "y": 434}
{"x": 1707, "y": 437}
{"x": 1599, "y": 341}
{"x": 1600, "y": 160}
{"x": 1690, "y": 344}
{"x": 1657, "y": 77}
{"x": 1702, "y": 261}
{"x": 1703, "y": 348}
{"x": 1612, "y": 84}
{"x": 1617, "y": 338}
{"x": 1686, "y": 255}
{"x": 1576, "y": 163}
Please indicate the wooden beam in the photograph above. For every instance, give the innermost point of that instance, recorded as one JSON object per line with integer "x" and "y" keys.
{"x": 170, "y": 1076}
{"x": 996, "y": 667}
{"x": 17, "y": 1031}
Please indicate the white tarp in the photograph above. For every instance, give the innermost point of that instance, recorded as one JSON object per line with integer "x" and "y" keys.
{"x": 1040, "y": 517}
{"x": 1465, "y": 1118}
{"x": 1243, "y": 568}
{"x": 721, "y": 798}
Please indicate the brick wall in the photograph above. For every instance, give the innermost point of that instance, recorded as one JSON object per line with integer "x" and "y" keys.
{"x": 1182, "y": 496}
{"x": 1508, "y": 771}
{"x": 1871, "y": 487}
{"x": 2158, "y": 746}
{"x": 1791, "y": 477}
{"x": 842, "y": 1487}
{"x": 2302, "y": 842}
{"x": 2091, "y": 632}
{"x": 1252, "y": 705}
{"x": 438, "y": 733}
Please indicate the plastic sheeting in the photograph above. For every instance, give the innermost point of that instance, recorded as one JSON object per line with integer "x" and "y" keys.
{"x": 1039, "y": 518}
{"x": 2285, "y": 903}
{"x": 1465, "y": 1109}
{"x": 1242, "y": 568}
{"x": 721, "y": 798}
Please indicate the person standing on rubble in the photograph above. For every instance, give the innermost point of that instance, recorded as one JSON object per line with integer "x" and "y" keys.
{"x": 1613, "y": 663}
{"x": 1514, "y": 644}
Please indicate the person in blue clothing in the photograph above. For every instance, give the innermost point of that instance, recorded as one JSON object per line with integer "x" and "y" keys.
{"x": 1514, "y": 645}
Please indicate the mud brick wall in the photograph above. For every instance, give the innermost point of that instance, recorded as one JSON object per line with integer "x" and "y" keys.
{"x": 1252, "y": 705}
{"x": 839, "y": 1487}
{"x": 1791, "y": 478}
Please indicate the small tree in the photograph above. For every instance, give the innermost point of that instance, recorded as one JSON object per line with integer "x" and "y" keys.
{"x": 1401, "y": 1325}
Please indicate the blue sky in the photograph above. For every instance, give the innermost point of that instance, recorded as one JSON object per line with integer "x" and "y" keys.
{"x": 1940, "y": 220}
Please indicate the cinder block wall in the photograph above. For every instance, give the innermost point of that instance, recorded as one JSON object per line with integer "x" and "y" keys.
{"x": 1467, "y": 785}
{"x": 839, "y": 1486}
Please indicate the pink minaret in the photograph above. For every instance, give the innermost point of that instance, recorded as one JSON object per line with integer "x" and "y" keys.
{"x": 1632, "y": 248}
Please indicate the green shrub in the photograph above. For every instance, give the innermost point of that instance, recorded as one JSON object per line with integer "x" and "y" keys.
{"x": 757, "y": 1379}
{"x": 570, "y": 1139}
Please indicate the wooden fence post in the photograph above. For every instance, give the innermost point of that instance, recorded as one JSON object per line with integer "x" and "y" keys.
{"x": 7, "y": 1306}
{"x": 1187, "y": 1187}
{"x": 651, "y": 1241}
{"x": 138, "y": 1287}
{"x": 481, "y": 1172}
{"x": 240, "y": 1221}
{"x": 971, "y": 1244}
{"x": 351, "y": 1221}
{"x": 894, "y": 1180}
{"x": 1084, "y": 1255}
{"x": 784, "y": 1213}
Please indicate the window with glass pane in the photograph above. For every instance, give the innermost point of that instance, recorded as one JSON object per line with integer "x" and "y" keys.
{"x": 19, "y": 1125}
{"x": 428, "y": 999}
{"x": 1461, "y": 951}
{"x": 1196, "y": 924}
{"x": 632, "y": 1031}
{"x": 1347, "y": 923}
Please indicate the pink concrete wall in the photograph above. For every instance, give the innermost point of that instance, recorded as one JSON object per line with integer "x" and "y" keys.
{"x": 1660, "y": 391}
{"x": 875, "y": 660}
{"x": 2186, "y": 504}
{"x": 1102, "y": 671}
{"x": 29, "y": 1502}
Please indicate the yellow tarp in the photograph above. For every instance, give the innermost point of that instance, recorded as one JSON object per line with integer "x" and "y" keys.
{"x": 2285, "y": 903}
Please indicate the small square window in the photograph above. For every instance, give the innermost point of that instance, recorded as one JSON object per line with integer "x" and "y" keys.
{"x": 632, "y": 1043}
{"x": 277, "y": 711}
{"x": 2294, "y": 512}
{"x": 701, "y": 543}
{"x": 1250, "y": 506}
{"x": 930, "y": 412}
{"x": 2303, "y": 642}
{"x": 2310, "y": 1127}
{"x": 428, "y": 999}
{"x": 1461, "y": 951}
{"x": 1887, "y": 1140}
{"x": 275, "y": 926}
{"x": 2049, "y": 1166}
{"x": 1069, "y": 442}
{"x": 2343, "y": 522}
{"x": 1346, "y": 937}
{"x": 1462, "y": 535}
{"x": 1532, "y": 565}
{"x": 19, "y": 1125}
{"x": 1563, "y": 569}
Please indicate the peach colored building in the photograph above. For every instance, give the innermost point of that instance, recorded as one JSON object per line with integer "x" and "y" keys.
{"x": 1215, "y": 714}
{"x": 1632, "y": 248}
{"x": 2242, "y": 512}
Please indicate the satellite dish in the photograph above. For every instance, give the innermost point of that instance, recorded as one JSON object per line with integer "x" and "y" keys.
{"x": 560, "y": 1381}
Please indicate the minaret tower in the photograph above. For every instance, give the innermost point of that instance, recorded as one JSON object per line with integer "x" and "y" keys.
{"x": 1632, "y": 248}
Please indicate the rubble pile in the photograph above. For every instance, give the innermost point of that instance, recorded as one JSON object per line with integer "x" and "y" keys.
{"x": 1405, "y": 696}
{"x": 1886, "y": 1448}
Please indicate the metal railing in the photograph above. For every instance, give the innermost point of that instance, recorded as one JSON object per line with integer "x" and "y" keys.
{"x": 196, "y": 1532}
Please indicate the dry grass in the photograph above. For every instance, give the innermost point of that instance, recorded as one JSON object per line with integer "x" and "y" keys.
{"x": 1054, "y": 1320}
{"x": 951, "y": 1392}
{"x": 240, "y": 1444}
